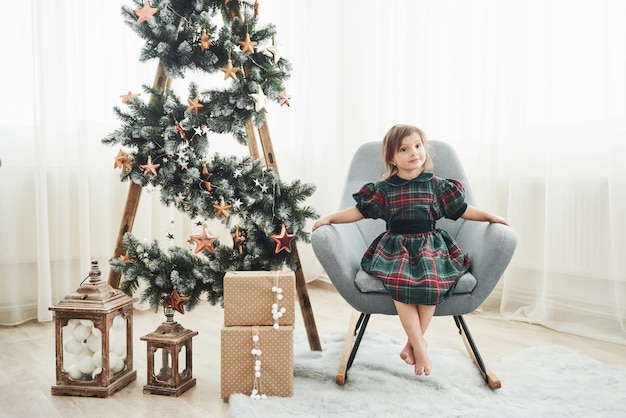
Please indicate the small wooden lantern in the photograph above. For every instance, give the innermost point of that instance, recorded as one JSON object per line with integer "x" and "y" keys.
{"x": 173, "y": 342}
{"x": 94, "y": 339}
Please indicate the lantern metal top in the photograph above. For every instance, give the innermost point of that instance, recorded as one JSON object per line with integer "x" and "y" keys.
{"x": 170, "y": 330}
{"x": 95, "y": 295}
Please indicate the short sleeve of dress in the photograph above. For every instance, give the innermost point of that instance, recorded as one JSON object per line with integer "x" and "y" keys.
{"x": 451, "y": 199}
{"x": 370, "y": 201}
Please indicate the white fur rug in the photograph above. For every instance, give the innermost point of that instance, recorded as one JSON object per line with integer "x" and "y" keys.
{"x": 545, "y": 381}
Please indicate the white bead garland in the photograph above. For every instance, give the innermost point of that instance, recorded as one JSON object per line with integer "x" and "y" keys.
{"x": 256, "y": 353}
{"x": 277, "y": 312}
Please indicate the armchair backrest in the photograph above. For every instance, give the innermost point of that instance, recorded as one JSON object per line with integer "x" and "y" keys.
{"x": 368, "y": 166}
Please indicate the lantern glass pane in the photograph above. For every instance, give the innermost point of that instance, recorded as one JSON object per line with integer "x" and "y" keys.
{"x": 117, "y": 344}
{"x": 162, "y": 365}
{"x": 82, "y": 349}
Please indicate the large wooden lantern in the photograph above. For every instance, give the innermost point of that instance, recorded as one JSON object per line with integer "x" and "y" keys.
{"x": 170, "y": 353}
{"x": 94, "y": 339}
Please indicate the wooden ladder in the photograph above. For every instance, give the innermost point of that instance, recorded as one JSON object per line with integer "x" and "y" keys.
{"x": 162, "y": 82}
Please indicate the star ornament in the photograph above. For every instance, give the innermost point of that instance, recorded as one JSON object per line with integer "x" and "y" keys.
{"x": 230, "y": 71}
{"x": 222, "y": 209}
{"x": 149, "y": 167}
{"x": 205, "y": 41}
{"x": 284, "y": 98}
{"x": 122, "y": 160}
{"x": 260, "y": 100}
{"x": 176, "y": 301}
{"x": 238, "y": 240}
{"x": 194, "y": 104}
{"x": 204, "y": 241}
{"x": 129, "y": 97}
{"x": 247, "y": 45}
{"x": 145, "y": 13}
{"x": 283, "y": 240}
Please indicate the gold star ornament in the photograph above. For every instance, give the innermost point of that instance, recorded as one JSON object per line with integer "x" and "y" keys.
{"x": 176, "y": 301}
{"x": 230, "y": 71}
{"x": 204, "y": 241}
{"x": 205, "y": 41}
{"x": 283, "y": 240}
{"x": 122, "y": 160}
{"x": 194, "y": 104}
{"x": 145, "y": 13}
{"x": 247, "y": 45}
{"x": 221, "y": 209}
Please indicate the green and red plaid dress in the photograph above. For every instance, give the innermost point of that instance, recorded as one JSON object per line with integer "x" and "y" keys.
{"x": 417, "y": 263}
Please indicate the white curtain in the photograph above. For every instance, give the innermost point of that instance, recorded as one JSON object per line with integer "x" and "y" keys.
{"x": 532, "y": 94}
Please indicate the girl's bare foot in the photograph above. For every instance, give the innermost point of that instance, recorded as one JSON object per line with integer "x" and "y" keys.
{"x": 407, "y": 354}
{"x": 422, "y": 360}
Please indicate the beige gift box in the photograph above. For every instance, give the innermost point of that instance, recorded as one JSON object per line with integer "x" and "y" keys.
{"x": 238, "y": 362}
{"x": 248, "y": 297}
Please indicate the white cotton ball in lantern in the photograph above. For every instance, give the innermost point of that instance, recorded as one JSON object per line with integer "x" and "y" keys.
{"x": 112, "y": 338}
{"x": 85, "y": 365}
{"x": 119, "y": 323}
{"x": 119, "y": 366}
{"x": 73, "y": 346}
{"x": 119, "y": 348}
{"x": 96, "y": 332}
{"x": 96, "y": 372}
{"x": 81, "y": 332}
{"x": 113, "y": 359}
{"x": 94, "y": 342}
{"x": 73, "y": 322}
{"x": 97, "y": 358}
{"x": 86, "y": 322}
{"x": 74, "y": 372}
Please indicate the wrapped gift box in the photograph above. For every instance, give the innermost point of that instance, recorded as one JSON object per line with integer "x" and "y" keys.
{"x": 238, "y": 361}
{"x": 248, "y": 297}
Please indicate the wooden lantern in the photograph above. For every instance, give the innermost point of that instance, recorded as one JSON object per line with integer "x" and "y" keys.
{"x": 94, "y": 339}
{"x": 170, "y": 344}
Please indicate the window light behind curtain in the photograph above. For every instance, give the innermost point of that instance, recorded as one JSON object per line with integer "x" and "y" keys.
{"x": 531, "y": 94}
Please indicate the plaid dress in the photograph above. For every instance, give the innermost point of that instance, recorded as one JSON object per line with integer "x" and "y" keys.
{"x": 417, "y": 263}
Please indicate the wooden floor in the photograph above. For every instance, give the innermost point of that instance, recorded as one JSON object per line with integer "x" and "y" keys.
{"x": 28, "y": 359}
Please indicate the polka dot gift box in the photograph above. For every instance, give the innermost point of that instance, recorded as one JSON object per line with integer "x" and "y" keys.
{"x": 257, "y": 336}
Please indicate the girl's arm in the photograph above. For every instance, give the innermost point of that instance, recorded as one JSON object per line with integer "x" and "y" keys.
{"x": 347, "y": 215}
{"x": 475, "y": 214}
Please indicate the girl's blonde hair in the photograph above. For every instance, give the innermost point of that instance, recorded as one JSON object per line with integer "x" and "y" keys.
{"x": 392, "y": 141}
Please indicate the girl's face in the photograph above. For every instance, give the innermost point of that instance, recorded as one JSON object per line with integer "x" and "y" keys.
{"x": 410, "y": 157}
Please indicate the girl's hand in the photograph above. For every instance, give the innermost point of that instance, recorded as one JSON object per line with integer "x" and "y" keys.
{"x": 320, "y": 222}
{"x": 498, "y": 219}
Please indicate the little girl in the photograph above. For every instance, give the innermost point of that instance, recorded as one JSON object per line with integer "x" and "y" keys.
{"x": 418, "y": 264}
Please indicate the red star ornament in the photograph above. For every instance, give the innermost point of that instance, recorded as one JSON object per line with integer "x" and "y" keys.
{"x": 238, "y": 240}
{"x": 145, "y": 13}
{"x": 149, "y": 167}
{"x": 284, "y": 98}
{"x": 176, "y": 301}
{"x": 204, "y": 241}
{"x": 283, "y": 240}
{"x": 122, "y": 160}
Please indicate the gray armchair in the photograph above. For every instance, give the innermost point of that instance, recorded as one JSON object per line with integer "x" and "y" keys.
{"x": 339, "y": 248}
